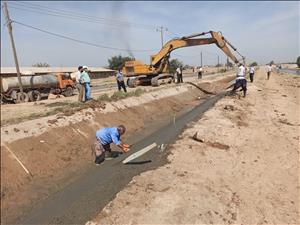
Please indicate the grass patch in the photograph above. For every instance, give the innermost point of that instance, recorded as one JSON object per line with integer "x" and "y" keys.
{"x": 57, "y": 104}
{"x": 63, "y": 104}
{"x": 117, "y": 95}
{"x": 104, "y": 98}
{"x": 70, "y": 108}
{"x": 31, "y": 117}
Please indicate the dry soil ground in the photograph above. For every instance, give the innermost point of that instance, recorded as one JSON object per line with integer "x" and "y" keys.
{"x": 56, "y": 149}
{"x": 15, "y": 113}
{"x": 245, "y": 172}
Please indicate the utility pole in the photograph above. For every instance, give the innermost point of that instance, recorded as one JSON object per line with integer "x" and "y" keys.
{"x": 201, "y": 59}
{"x": 9, "y": 27}
{"x": 161, "y": 29}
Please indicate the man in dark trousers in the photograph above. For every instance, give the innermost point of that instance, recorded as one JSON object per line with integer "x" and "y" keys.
{"x": 269, "y": 70}
{"x": 200, "y": 71}
{"x": 251, "y": 73}
{"x": 240, "y": 80}
{"x": 179, "y": 74}
{"x": 120, "y": 81}
{"x": 106, "y": 136}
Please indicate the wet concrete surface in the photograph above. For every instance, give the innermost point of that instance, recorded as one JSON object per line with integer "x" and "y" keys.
{"x": 84, "y": 198}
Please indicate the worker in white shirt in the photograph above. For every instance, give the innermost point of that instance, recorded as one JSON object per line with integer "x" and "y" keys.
{"x": 251, "y": 73}
{"x": 179, "y": 75}
{"x": 200, "y": 71}
{"x": 269, "y": 70}
{"x": 80, "y": 85}
{"x": 240, "y": 80}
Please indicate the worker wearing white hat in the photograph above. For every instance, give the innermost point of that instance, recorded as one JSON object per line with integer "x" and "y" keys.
{"x": 87, "y": 81}
{"x": 80, "y": 85}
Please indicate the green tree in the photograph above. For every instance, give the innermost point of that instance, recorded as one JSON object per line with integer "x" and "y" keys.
{"x": 174, "y": 64}
{"x": 185, "y": 67}
{"x": 41, "y": 65}
{"x": 117, "y": 62}
{"x": 298, "y": 61}
{"x": 271, "y": 63}
{"x": 254, "y": 64}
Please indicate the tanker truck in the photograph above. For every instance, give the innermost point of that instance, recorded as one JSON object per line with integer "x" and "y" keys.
{"x": 35, "y": 87}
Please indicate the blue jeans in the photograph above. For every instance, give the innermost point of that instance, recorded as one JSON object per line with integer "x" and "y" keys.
{"x": 87, "y": 91}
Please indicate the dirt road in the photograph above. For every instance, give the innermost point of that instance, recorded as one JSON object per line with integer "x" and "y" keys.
{"x": 246, "y": 171}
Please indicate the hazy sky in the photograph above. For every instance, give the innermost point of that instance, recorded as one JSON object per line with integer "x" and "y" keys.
{"x": 262, "y": 31}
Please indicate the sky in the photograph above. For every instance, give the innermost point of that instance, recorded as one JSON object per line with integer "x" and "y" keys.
{"x": 261, "y": 30}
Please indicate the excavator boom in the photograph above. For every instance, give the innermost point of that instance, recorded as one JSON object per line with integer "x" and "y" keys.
{"x": 188, "y": 41}
{"x": 159, "y": 63}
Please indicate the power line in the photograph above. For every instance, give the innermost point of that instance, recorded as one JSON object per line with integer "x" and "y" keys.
{"x": 175, "y": 34}
{"x": 67, "y": 17}
{"x": 79, "y": 41}
{"x": 62, "y": 12}
{"x": 73, "y": 14}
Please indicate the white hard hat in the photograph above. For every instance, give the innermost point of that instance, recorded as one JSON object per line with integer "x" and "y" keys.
{"x": 84, "y": 67}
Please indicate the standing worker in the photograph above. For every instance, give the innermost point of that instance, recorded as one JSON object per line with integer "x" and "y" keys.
{"x": 80, "y": 85}
{"x": 251, "y": 73}
{"x": 269, "y": 70}
{"x": 179, "y": 75}
{"x": 87, "y": 83}
{"x": 120, "y": 81}
{"x": 200, "y": 71}
{"x": 106, "y": 136}
{"x": 240, "y": 80}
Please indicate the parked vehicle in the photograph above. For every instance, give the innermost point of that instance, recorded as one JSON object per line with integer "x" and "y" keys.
{"x": 35, "y": 87}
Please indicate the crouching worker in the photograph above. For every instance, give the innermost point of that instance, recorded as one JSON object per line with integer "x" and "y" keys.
{"x": 106, "y": 136}
{"x": 240, "y": 81}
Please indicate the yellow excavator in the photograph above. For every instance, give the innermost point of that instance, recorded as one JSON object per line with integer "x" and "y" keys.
{"x": 157, "y": 72}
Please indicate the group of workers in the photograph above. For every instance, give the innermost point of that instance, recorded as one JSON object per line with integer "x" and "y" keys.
{"x": 83, "y": 84}
{"x": 179, "y": 73}
{"x": 106, "y": 136}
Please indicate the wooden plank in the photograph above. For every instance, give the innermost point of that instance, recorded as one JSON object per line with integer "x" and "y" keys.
{"x": 139, "y": 153}
{"x": 18, "y": 160}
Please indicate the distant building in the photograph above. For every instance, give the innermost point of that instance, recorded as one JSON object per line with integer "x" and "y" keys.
{"x": 95, "y": 72}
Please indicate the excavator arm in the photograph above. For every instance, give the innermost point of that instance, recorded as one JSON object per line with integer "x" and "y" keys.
{"x": 158, "y": 60}
{"x": 158, "y": 70}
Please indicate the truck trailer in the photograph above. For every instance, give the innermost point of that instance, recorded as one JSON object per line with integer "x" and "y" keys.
{"x": 35, "y": 87}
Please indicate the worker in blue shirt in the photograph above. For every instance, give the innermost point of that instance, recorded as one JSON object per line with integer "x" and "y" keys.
{"x": 84, "y": 76}
{"x": 120, "y": 81}
{"x": 106, "y": 136}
